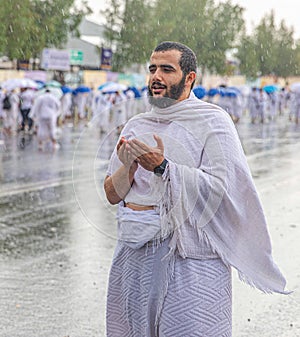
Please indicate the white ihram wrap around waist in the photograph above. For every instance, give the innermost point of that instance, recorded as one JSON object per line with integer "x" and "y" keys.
{"x": 206, "y": 193}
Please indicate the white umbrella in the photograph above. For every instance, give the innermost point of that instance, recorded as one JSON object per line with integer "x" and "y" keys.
{"x": 55, "y": 91}
{"x": 295, "y": 87}
{"x": 11, "y": 84}
{"x": 114, "y": 87}
{"x": 28, "y": 83}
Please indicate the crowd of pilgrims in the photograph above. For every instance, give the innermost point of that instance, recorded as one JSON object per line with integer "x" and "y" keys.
{"x": 41, "y": 114}
{"x": 257, "y": 104}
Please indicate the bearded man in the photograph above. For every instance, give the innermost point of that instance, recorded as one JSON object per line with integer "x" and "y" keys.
{"x": 187, "y": 211}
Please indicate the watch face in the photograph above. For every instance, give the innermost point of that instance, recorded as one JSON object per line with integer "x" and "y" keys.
{"x": 159, "y": 170}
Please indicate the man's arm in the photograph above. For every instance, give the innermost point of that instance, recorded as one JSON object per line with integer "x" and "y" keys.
{"x": 118, "y": 184}
{"x": 131, "y": 153}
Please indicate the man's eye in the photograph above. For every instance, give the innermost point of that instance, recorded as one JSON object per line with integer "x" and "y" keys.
{"x": 152, "y": 70}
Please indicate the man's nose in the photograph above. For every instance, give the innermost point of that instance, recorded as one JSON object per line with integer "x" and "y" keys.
{"x": 156, "y": 76}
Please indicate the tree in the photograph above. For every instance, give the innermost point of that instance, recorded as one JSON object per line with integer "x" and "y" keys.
{"x": 269, "y": 50}
{"x": 113, "y": 15}
{"x": 286, "y": 52}
{"x": 265, "y": 36}
{"x": 297, "y": 52}
{"x": 28, "y": 26}
{"x": 127, "y": 31}
{"x": 226, "y": 26}
{"x": 17, "y": 28}
{"x": 207, "y": 28}
{"x": 247, "y": 55}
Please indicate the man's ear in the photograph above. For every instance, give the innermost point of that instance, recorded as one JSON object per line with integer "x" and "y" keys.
{"x": 190, "y": 78}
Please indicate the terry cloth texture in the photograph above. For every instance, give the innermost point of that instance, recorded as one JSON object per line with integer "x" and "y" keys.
{"x": 150, "y": 296}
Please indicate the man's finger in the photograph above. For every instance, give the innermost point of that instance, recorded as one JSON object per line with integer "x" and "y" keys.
{"x": 138, "y": 147}
{"x": 159, "y": 142}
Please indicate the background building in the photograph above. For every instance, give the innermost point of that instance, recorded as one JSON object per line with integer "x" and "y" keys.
{"x": 88, "y": 44}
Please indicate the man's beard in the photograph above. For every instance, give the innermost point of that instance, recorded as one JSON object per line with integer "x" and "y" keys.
{"x": 170, "y": 97}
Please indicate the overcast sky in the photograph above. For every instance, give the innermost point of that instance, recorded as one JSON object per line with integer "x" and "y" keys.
{"x": 255, "y": 10}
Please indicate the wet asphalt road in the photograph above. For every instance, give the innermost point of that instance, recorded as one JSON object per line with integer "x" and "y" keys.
{"x": 57, "y": 232}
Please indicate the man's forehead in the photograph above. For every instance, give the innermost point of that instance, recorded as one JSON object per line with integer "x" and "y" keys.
{"x": 168, "y": 56}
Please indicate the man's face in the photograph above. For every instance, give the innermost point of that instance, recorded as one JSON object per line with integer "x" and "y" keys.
{"x": 167, "y": 82}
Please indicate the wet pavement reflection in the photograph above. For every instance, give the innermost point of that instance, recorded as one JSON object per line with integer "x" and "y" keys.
{"x": 57, "y": 232}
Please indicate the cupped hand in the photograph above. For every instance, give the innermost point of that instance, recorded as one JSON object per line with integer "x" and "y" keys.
{"x": 147, "y": 156}
{"x": 125, "y": 155}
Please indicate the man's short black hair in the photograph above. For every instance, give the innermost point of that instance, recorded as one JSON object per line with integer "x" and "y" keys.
{"x": 188, "y": 60}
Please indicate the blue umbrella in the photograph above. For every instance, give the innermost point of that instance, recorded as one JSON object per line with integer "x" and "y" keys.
{"x": 66, "y": 89}
{"x": 237, "y": 90}
{"x": 230, "y": 92}
{"x": 199, "y": 91}
{"x": 41, "y": 84}
{"x": 222, "y": 91}
{"x": 212, "y": 92}
{"x": 81, "y": 89}
{"x": 137, "y": 94}
{"x": 270, "y": 88}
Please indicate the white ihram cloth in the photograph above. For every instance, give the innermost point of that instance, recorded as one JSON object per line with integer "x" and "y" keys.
{"x": 206, "y": 194}
{"x": 46, "y": 109}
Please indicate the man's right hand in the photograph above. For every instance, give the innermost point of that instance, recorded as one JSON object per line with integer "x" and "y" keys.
{"x": 125, "y": 156}
{"x": 117, "y": 185}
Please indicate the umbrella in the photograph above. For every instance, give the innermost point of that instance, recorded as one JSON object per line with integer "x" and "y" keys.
{"x": 137, "y": 94}
{"x": 81, "y": 89}
{"x": 53, "y": 84}
{"x": 212, "y": 92}
{"x": 222, "y": 91}
{"x": 231, "y": 93}
{"x": 295, "y": 87}
{"x": 199, "y": 91}
{"x": 237, "y": 90}
{"x": 270, "y": 88}
{"x": 28, "y": 83}
{"x": 244, "y": 89}
{"x": 11, "y": 84}
{"x": 102, "y": 86}
{"x": 40, "y": 84}
{"x": 114, "y": 87}
{"x": 55, "y": 91}
{"x": 66, "y": 89}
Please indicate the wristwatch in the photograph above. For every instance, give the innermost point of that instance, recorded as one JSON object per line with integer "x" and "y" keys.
{"x": 160, "y": 169}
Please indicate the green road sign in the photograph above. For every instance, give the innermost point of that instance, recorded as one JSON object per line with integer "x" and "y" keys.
{"x": 76, "y": 57}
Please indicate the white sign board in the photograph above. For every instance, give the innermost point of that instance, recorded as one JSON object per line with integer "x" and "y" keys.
{"x": 55, "y": 59}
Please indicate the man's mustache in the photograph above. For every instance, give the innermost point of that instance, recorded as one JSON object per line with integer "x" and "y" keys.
{"x": 158, "y": 85}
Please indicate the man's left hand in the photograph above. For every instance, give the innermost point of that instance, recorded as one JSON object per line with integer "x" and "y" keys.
{"x": 148, "y": 157}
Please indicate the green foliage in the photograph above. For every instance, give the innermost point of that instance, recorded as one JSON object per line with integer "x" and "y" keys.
{"x": 286, "y": 52}
{"x": 28, "y": 26}
{"x": 134, "y": 27}
{"x": 269, "y": 50}
{"x": 248, "y": 58}
{"x": 16, "y": 28}
{"x": 127, "y": 31}
{"x": 113, "y": 15}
